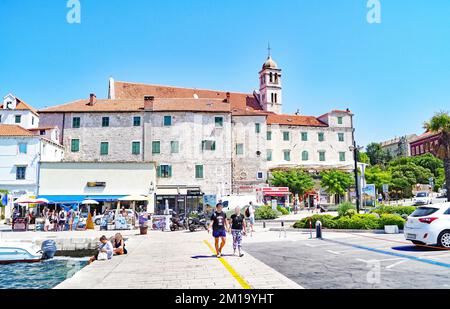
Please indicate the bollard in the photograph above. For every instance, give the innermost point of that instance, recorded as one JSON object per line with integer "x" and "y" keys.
{"x": 264, "y": 224}
{"x": 282, "y": 223}
{"x": 319, "y": 230}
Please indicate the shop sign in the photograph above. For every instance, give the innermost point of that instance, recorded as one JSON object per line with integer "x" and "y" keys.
{"x": 96, "y": 184}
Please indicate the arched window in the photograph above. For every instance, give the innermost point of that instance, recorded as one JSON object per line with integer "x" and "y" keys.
{"x": 276, "y": 78}
{"x": 305, "y": 156}
{"x": 271, "y": 77}
{"x": 272, "y": 97}
{"x": 276, "y": 98}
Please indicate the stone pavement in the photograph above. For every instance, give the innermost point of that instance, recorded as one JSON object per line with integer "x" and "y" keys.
{"x": 178, "y": 260}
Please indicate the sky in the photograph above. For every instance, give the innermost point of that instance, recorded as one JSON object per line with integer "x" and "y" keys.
{"x": 393, "y": 75}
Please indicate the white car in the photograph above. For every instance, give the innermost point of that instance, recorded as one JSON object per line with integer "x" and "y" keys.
{"x": 429, "y": 225}
{"x": 422, "y": 198}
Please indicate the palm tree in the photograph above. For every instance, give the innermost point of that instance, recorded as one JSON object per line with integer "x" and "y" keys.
{"x": 440, "y": 123}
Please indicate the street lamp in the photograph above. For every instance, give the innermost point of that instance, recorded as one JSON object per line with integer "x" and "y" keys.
{"x": 355, "y": 150}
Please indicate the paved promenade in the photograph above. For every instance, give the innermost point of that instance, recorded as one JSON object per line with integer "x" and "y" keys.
{"x": 179, "y": 260}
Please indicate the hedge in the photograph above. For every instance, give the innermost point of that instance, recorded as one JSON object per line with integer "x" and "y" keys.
{"x": 358, "y": 221}
{"x": 266, "y": 213}
{"x": 283, "y": 210}
{"x": 399, "y": 210}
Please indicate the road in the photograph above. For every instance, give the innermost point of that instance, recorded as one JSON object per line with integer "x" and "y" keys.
{"x": 353, "y": 261}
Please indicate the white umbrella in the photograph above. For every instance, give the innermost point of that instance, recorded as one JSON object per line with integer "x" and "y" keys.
{"x": 42, "y": 201}
{"x": 134, "y": 198}
{"x": 25, "y": 200}
{"x": 89, "y": 202}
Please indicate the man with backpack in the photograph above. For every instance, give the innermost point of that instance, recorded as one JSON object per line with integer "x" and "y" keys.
{"x": 62, "y": 220}
{"x": 250, "y": 214}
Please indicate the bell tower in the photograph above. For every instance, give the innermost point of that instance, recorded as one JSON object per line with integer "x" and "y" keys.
{"x": 270, "y": 88}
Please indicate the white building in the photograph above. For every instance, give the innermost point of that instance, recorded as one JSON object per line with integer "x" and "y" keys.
{"x": 15, "y": 111}
{"x": 105, "y": 182}
{"x": 21, "y": 152}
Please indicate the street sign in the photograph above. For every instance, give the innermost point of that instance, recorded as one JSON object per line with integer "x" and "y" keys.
{"x": 385, "y": 188}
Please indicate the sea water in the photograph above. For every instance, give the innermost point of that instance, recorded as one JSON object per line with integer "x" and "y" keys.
{"x": 42, "y": 275}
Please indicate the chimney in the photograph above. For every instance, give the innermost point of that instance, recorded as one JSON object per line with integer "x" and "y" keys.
{"x": 92, "y": 99}
{"x": 228, "y": 97}
{"x": 148, "y": 102}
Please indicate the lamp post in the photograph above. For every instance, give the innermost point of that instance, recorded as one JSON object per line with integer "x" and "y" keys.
{"x": 355, "y": 150}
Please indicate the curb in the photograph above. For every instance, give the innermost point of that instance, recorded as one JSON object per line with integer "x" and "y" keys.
{"x": 329, "y": 230}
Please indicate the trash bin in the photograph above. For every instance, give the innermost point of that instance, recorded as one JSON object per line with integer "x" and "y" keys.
{"x": 144, "y": 230}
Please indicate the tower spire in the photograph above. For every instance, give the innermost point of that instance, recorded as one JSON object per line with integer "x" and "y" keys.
{"x": 269, "y": 51}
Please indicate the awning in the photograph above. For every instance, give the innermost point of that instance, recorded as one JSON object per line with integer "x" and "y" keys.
{"x": 80, "y": 198}
{"x": 170, "y": 192}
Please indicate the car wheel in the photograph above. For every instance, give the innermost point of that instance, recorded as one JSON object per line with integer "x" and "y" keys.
{"x": 444, "y": 239}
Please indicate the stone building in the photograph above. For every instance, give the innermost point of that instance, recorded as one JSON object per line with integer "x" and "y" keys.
{"x": 203, "y": 141}
{"x": 399, "y": 146}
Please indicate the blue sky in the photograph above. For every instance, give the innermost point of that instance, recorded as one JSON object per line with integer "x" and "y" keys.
{"x": 393, "y": 75}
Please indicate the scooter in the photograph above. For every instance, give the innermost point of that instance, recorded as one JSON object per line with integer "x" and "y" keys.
{"x": 177, "y": 222}
{"x": 198, "y": 223}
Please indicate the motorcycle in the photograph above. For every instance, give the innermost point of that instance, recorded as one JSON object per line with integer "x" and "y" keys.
{"x": 198, "y": 222}
{"x": 177, "y": 222}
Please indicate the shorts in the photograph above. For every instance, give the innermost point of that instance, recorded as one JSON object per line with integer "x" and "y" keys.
{"x": 252, "y": 220}
{"x": 219, "y": 233}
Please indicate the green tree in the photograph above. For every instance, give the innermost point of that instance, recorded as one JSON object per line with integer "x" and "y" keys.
{"x": 379, "y": 177}
{"x": 376, "y": 154}
{"x": 298, "y": 181}
{"x": 336, "y": 182}
{"x": 363, "y": 158}
{"x": 405, "y": 176}
{"x": 441, "y": 123}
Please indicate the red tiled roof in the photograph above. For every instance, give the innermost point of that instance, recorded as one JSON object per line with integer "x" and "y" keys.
{"x": 294, "y": 120}
{"x": 99, "y": 106}
{"x": 126, "y": 90}
{"x": 14, "y": 130}
{"x": 43, "y": 128}
{"x": 424, "y": 136}
{"x": 22, "y": 106}
{"x": 191, "y": 105}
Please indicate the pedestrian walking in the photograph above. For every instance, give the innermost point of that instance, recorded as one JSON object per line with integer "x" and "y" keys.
{"x": 62, "y": 220}
{"x": 219, "y": 225}
{"x": 238, "y": 231}
{"x": 251, "y": 216}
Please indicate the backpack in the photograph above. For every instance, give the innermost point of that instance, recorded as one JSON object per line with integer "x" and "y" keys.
{"x": 247, "y": 212}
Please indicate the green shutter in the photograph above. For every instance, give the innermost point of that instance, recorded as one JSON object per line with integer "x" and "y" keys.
{"x": 305, "y": 156}
{"x": 170, "y": 171}
{"x": 104, "y": 148}
{"x": 258, "y": 128}
{"x": 174, "y": 147}
{"x": 75, "y": 145}
{"x": 158, "y": 171}
{"x": 136, "y": 148}
{"x": 304, "y": 136}
{"x": 269, "y": 135}
{"x": 269, "y": 155}
{"x": 156, "y": 147}
{"x": 199, "y": 171}
{"x": 137, "y": 121}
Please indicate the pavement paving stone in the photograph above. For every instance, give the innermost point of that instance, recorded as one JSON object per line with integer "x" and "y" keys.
{"x": 175, "y": 260}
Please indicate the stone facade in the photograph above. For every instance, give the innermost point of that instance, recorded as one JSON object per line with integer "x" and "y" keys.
{"x": 188, "y": 130}
{"x": 249, "y": 153}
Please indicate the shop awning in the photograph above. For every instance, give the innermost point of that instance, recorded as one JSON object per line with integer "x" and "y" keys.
{"x": 80, "y": 198}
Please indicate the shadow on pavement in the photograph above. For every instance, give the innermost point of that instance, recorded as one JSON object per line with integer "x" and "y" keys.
{"x": 412, "y": 248}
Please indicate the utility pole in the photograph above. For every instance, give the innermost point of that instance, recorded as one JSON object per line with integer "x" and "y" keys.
{"x": 358, "y": 198}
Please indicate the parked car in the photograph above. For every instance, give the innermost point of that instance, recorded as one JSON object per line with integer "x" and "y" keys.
{"x": 111, "y": 214}
{"x": 422, "y": 198}
{"x": 429, "y": 225}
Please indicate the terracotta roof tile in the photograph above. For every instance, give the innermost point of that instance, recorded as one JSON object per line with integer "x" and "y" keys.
{"x": 14, "y": 130}
{"x": 195, "y": 105}
{"x": 126, "y": 90}
{"x": 294, "y": 120}
{"x": 99, "y": 106}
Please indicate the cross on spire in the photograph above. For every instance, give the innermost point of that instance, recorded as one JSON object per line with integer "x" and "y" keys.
{"x": 269, "y": 50}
